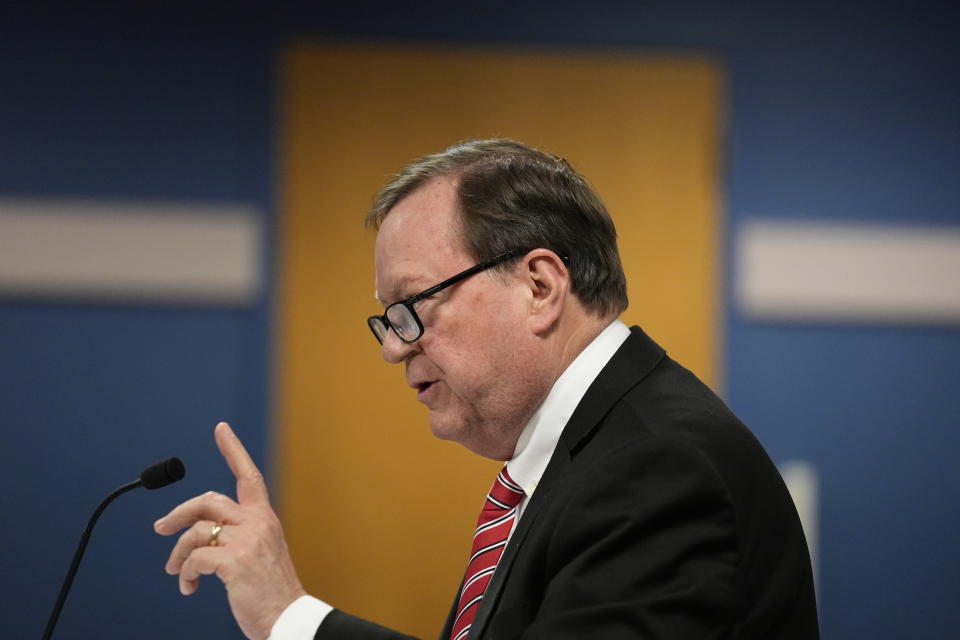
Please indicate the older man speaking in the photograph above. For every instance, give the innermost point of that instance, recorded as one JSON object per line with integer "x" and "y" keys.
{"x": 633, "y": 503}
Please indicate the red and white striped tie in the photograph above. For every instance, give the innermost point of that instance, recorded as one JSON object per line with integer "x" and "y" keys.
{"x": 493, "y": 529}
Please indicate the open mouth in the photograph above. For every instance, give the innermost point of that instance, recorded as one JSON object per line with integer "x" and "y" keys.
{"x": 423, "y": 386}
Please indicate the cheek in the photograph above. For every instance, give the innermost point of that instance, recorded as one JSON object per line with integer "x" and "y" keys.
{"x": 474, "y": 344}
{"x": 497, "y": 316}
{"x": 467, "y": 362}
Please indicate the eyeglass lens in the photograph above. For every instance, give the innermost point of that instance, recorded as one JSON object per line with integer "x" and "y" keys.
{"x": 403, "y": 322}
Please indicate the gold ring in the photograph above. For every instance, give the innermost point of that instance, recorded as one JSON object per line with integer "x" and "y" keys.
{"x": 214, "y": 534}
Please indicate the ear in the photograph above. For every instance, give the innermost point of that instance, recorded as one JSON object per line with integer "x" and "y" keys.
{"x": 548, "y": 280}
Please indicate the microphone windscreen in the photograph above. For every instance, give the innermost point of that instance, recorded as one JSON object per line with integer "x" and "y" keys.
{"x": 162, "y": 473}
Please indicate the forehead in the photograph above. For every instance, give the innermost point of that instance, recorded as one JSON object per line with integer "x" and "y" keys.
{"x": 419, "y": 243}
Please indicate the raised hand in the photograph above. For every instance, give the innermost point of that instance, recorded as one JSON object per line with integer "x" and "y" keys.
{"x": 249, "y": 553}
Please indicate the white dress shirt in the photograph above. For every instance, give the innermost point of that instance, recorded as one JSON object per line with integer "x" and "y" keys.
{"x": 530, "y": 458}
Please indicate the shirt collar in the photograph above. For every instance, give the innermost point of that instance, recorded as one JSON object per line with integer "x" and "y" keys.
{"x": 540, "y": 435}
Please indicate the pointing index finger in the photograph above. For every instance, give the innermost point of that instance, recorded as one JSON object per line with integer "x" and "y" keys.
{"x": 251, "y": 488}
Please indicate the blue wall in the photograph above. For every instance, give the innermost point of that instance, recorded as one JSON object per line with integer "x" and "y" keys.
{"x": 851, "y": 114}
{"x": 835, "y": 112}
{"x": 161, "y": 107}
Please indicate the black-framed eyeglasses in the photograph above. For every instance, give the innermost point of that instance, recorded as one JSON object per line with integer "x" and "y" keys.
{"x": 403, "y": 319}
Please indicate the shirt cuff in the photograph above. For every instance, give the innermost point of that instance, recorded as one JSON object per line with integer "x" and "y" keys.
{"x": 300, "y": 620}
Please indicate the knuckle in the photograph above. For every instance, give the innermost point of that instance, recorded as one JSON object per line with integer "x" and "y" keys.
{"x": 184, "y": 543}
{"x": 215, "y": 500}
{"x": 225, "y": 572}
{"x": 273, "y": 527}
{"x": 253, "y": 475}
{"x": 186, "y": 569}
{"x": 242, "y": 556}
{"x": 267, "y": 528}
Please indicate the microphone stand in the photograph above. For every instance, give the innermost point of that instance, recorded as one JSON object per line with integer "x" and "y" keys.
{"x": 84, "y": 539}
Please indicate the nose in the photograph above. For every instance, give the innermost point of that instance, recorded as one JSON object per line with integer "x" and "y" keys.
{"x": 394, "y": 350}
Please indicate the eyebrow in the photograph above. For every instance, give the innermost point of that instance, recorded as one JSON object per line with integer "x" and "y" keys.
{"x": 402, "y": 284}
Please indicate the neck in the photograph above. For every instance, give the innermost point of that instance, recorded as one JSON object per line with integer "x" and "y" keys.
{"x": 572, "y": 337}
{"x": 559, "y": 348}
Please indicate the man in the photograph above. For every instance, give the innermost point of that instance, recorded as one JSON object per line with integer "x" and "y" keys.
{"x": 633, "y": 503}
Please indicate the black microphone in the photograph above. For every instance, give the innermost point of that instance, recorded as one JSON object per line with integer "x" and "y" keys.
{"x": 162, "y": 473}
{"x": 153, "y": 477}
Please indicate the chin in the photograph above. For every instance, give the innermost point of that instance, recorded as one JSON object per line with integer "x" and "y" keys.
{"x": 447, "y": 427}
{"x": 460, "y": 431}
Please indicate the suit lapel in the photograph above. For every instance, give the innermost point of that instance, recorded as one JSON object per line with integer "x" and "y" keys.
{"x": 492, "y": 594}
{"x": 632, "y": 362}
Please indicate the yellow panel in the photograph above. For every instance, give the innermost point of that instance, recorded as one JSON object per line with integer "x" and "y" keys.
{"x": 379, "y": 514}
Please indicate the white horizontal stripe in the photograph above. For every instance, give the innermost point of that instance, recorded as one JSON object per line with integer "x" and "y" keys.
{"x": 803, "y": 482}
{"x": 502, "y": 505}
{"x": 879, "y": 273}
{"x": 489, "y": 547}
{"x": 508, "y": 484}
{"x": 129, "y": 251}
{"x": 477, "y": 576}
{"x": 495, "y": 522}
{"x": 466, "y": 606}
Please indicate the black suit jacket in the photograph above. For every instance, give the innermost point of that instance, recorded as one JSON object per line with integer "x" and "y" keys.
{"x": 659, "y": 516}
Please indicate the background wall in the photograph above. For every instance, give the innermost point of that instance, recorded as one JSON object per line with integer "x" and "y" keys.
{"x": 836, "y": 112}
{"x": 161, "y": 107}
{"x": 353, "y": 114}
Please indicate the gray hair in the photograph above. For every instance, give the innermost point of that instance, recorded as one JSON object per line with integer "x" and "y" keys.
{"x": 514, "y": 197}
